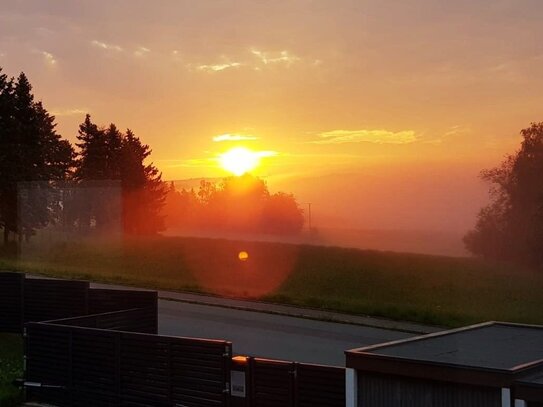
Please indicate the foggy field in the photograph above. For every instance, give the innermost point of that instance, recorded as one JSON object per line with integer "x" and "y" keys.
{"x": 429, "y": 289}
{"x": 11, "y": 367}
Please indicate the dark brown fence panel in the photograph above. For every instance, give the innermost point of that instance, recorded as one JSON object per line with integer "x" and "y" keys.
{"x": 200, "y": 372}
{"x": 48, "y": 362}
{"x": 105, "y": 300}
{"x": 94, "y": 367}
{"x": 45, "y": 300}
{"x": 142, "y": 320}
{"x": 319, "y": 386}
{"x": 11, "y": 302}
{"x": 272, "y": 383}
{"x": 145, "y": 370}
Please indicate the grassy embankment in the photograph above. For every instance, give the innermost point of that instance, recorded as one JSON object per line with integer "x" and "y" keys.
{"x": 11, "y": 367}
{"x": 427, "y": 289}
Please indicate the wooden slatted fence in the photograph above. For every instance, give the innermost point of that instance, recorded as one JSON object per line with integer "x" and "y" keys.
{"x": 36, "y": 299}
{"x": 319, "y": 386}
{"x": 99, "y": 347}
{"x": 142, "y": 320}
{"x": 11, "y": 302}
{"x": 290, "y": 384}
{"x": 115, "y": 368}
{"x": 52, "y": 299}
{"x": 106, "y": 300}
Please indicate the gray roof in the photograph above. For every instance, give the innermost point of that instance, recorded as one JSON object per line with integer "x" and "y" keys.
{"x": 495, "y": 346}
{"x": 535, "y": 379}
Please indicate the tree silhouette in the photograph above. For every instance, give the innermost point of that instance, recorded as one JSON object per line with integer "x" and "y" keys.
{"x": 106, "y": 154}
{"x": 511, "y": 226}
{"x": 99, "y": 152}
{"x": 96, "y": 200}
{"x": 281, "y": 215}
{"x": 144, "y": 192}
{"x": 30, "y": 151}
{"x": 181, "y": 207}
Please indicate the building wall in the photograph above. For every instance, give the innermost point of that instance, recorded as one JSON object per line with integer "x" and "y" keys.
{"x": 394, "y": 391}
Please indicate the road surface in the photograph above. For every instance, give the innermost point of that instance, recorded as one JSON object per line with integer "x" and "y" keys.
{"x": 267, "y": 335}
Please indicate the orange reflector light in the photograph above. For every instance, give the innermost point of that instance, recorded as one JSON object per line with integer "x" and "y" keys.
{"x": 242, "y": 360}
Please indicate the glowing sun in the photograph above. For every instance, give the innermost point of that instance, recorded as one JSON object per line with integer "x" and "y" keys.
{"x": 239, "y": 160}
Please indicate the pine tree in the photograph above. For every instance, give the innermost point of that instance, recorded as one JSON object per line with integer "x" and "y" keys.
{"x": 92, "y": 156}
{"x": 8, "y": 153}
{"x": 108, "y": 155}
{"x": 144, "y": 192}
{"x": 30, "y": 151}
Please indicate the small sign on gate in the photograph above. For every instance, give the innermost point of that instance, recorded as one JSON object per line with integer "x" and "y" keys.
{"x": 237, "y": 383}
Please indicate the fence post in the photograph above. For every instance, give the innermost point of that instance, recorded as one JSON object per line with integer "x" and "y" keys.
{"x": 351, "y": 388}
{"x": 70, "y": 390}
{"x": 239, "y": 381}
{"x": 294, "y": 384}
{"x": 118, "y": 367}
{"x": 22, "y": 303}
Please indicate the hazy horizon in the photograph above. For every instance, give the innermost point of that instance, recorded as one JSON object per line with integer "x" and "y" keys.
{"x": 381, "y": 114}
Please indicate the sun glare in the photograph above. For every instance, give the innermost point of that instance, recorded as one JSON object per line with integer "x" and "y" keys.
{"x": 239, "y": 160}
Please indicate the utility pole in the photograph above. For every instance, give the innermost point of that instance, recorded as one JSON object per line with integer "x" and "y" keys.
{"x": 308, "y": 215}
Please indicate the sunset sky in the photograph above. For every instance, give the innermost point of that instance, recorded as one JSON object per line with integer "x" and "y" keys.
{"x": 379, "y": 112}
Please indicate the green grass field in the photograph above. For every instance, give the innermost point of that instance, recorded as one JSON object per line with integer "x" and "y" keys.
{"x": 11, "y": 367}
{"x": 428, "y": 289}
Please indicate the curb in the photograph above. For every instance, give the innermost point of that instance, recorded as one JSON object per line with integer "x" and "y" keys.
{"x": 325, "y": 315}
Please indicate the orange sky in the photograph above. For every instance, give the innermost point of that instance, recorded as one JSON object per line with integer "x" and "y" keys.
{"x": 393, "y": 105}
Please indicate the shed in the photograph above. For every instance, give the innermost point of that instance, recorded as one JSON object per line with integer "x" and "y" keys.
{"x": 474, "y": 366}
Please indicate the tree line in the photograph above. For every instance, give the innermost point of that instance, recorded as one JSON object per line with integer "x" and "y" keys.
{"x": 33, "y": 153}
{"x": 104, "y": 181}
{"x": 240, "y": 204}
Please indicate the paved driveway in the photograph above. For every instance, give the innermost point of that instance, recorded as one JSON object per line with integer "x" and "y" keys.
{"x": 268, "y": 335}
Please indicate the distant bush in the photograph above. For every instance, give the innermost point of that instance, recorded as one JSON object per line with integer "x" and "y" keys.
{"x": 240, "y": 204}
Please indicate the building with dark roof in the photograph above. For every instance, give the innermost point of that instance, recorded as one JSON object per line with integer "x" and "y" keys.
{"x": 475, "y": 366}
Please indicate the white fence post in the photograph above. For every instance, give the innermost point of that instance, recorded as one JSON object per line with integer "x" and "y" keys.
{"x": 520, "y": 403}
{"x": 506, "y": 397}
{"x": 351, "y": 388}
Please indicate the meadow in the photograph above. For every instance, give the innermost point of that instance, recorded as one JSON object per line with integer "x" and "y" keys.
{"x": 11, "y": 367}
{"x": 446, "y": 291}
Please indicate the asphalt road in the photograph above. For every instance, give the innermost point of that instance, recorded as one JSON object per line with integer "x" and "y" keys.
{"x": 268, "y": 335}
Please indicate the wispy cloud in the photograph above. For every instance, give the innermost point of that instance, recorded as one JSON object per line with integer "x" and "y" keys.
{"x": 233, "y": 137}
{"x": 218, "y": 67}
{"x": 366, "y": 136}
{"x": 141, "y": 51}
{"x": 282, "y": 57}
{"x": 106, "y": 46}
{"x": 455, "y": 131}
{"x": 49, "y": 58}
{"x": 263, "y": 59}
